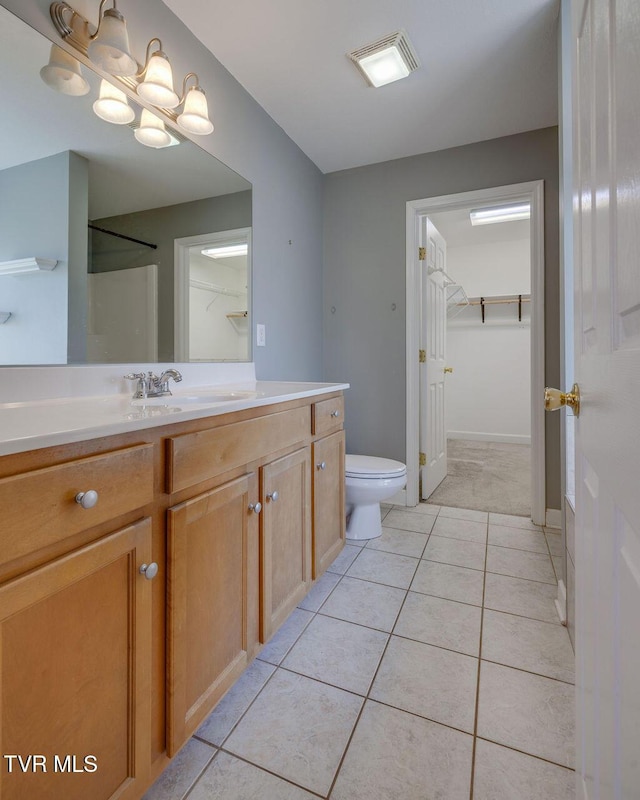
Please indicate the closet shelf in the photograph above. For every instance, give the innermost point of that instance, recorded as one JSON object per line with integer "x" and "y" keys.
{"x": 239, "y": 320}
{"x": 457, "y": 299}
{"x": 499, "y": 300}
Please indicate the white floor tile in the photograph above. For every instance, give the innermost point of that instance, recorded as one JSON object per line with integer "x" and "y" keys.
{"x": 429, "y": 681}
{"x": 469, "y": 530}
{"x": 387, "y": 568}
{"x": 397, "y": 756}
{"x": 455, "y": 551}
{"x": 297, "y": 728}
{"x": 444, "y": 623}
{"x": 527, "y": 712}
{"x": 365, "y": 603}
{"x": 450, "y": 582}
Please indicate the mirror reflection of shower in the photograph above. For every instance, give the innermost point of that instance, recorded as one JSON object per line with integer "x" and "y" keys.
{"x": 218, "y": 297}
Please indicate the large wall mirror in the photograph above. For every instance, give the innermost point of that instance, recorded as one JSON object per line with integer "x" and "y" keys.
{"x": 153, "y": 246}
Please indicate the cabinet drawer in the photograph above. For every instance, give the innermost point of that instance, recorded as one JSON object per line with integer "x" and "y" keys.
{"x": 328, "y": 416}
{"x": 39, "y": 507}
{"x": 197, "y": 457}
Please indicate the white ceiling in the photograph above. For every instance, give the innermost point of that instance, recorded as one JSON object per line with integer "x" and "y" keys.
{"x": 457, "y": 230}
{"x": 489, "y": 69}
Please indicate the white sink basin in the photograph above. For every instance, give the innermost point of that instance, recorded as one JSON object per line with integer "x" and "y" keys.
{"x": 195, "y": 398}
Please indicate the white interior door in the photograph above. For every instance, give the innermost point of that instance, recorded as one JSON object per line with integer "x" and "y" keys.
{"x": 433, "y": 434}
{"x": 606, "y": 66}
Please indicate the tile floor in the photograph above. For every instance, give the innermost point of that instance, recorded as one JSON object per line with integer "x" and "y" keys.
{"x": 429, "y": 663}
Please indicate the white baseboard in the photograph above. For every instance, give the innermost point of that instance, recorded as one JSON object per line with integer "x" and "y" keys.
{"x": 561, "y": 602}
{"x": 553, "y": 518}
{"x": 506, "y": 438}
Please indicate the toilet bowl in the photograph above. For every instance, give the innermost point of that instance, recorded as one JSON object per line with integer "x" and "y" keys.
{"x": 369, "y": 482}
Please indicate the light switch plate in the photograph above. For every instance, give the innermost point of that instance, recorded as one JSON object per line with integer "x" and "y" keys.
{"x": 261, "y": 335}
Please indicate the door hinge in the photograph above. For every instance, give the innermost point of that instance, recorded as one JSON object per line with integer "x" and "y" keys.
{"x": 422, "y": 356}
{"x": 423, "y": 459}
{"x": 422, "y": 254}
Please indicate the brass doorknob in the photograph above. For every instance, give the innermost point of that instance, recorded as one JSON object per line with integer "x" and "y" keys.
{"x": 448, "y": 369}
{"x": 555, "y": 399}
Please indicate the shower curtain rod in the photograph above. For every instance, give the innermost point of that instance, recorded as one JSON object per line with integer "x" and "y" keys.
{"x": 122, "y": 236}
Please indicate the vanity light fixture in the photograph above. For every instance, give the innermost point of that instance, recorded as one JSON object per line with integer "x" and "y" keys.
{"x": 157, "y": 84}
{"x": 226, "y": 251}
{"x": 508, "y": 213}
{"x": 112, "y": 105}
{"x": 152, "y": 132}
{"x": 195, "y": 114}
{"x": 107, "y": 46}
{"x": 63, "y": 73}
{"x": 386, "y": 60}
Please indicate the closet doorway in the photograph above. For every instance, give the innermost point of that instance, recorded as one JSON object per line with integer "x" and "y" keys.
{"x": 492, "y": 359}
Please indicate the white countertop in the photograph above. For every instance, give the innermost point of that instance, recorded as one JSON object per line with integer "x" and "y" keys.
{"x": 32, "y": 424}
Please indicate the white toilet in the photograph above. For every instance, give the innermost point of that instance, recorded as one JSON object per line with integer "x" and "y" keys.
{"x": 369, "y": 482}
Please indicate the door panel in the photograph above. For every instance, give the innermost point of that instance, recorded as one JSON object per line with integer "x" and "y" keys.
{"x": 606, "y": 119}
{"x": 433, "y": 434}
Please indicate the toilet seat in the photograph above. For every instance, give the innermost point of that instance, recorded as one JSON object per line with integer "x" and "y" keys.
{"x": 369, "y": 467}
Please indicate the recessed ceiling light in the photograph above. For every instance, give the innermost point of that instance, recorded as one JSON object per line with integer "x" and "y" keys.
{"x": 227, "y": 251}
{"x": 386, "y": 60}
{"x": 489, "y": 216}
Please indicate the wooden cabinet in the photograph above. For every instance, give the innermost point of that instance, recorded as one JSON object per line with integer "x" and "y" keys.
{"x": 285, "y": 573}
{"x": 102, "y": 666}
{"x": 328, "y": 500}
{"x": 75, "y": 671}
{"x": 213, "y": 600}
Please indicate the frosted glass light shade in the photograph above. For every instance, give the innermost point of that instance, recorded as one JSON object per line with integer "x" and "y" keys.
{"x": 112, "y": 105}
{"x": 110, "y": 49}
{"x": 195, "y": 116}
{"x": 152, "y": 132}
{"x": 157, "y": 87}
{"x": 385, "y": 66}
{"x": 63, "y": 73}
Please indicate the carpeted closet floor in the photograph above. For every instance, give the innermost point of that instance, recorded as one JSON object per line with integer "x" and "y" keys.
{"x": 488, "y": 476}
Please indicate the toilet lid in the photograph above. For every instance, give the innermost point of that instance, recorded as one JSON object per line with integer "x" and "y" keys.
{"x": 367, "y": 466}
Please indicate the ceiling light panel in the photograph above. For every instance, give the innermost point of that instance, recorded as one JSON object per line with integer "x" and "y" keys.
{"x": 495, "y": 214}
{"x": 386, "y": 60}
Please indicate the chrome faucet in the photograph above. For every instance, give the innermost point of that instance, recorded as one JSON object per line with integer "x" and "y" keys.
{"x": 151, "y": 385}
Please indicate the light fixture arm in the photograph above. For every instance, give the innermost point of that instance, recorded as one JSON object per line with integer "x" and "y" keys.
{"x": 64, "y": 28}
{"x": 149, "y": 54}
{"x": 184, "y": 85}
{"x": 97, "y": 30}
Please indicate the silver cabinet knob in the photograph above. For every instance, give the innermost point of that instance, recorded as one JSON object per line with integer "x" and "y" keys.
{"x": 335, "y": 413}
{"x": 87, "y": 499}
{"x": 321, "y": 465}
{"x": 255, "y": 507}
{"x": 273, "y": 496}
{"x": 149, "y": 570}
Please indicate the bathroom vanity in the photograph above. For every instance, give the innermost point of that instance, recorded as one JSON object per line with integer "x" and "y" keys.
{"x": 124, "y": 622}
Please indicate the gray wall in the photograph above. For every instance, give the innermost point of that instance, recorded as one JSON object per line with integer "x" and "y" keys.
{"x": 287, "y": 187}
{"x": 161, "y": 226}
{"x": 364, "y": 275}
{"x": 35, "y": 220}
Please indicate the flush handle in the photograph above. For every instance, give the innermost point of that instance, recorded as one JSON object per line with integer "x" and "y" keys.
{"x": 555, "y": 399}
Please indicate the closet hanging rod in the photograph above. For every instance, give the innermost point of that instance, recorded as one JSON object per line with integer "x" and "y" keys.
{"x": 497, "y": 300}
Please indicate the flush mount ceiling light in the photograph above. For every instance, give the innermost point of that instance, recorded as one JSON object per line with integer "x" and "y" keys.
{"x": 509, "y": 213}
{"x": 226, "y": 251}
{"x": 107, "y": 46}
{"x": 386, "y": 60}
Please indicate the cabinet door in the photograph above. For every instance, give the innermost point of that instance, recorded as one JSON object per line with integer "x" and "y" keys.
{"x": 213, "y": 600}
{"x": 75, "y": 648}
{"x": 328, "y": 501}
{"x": 286, "y": 538}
